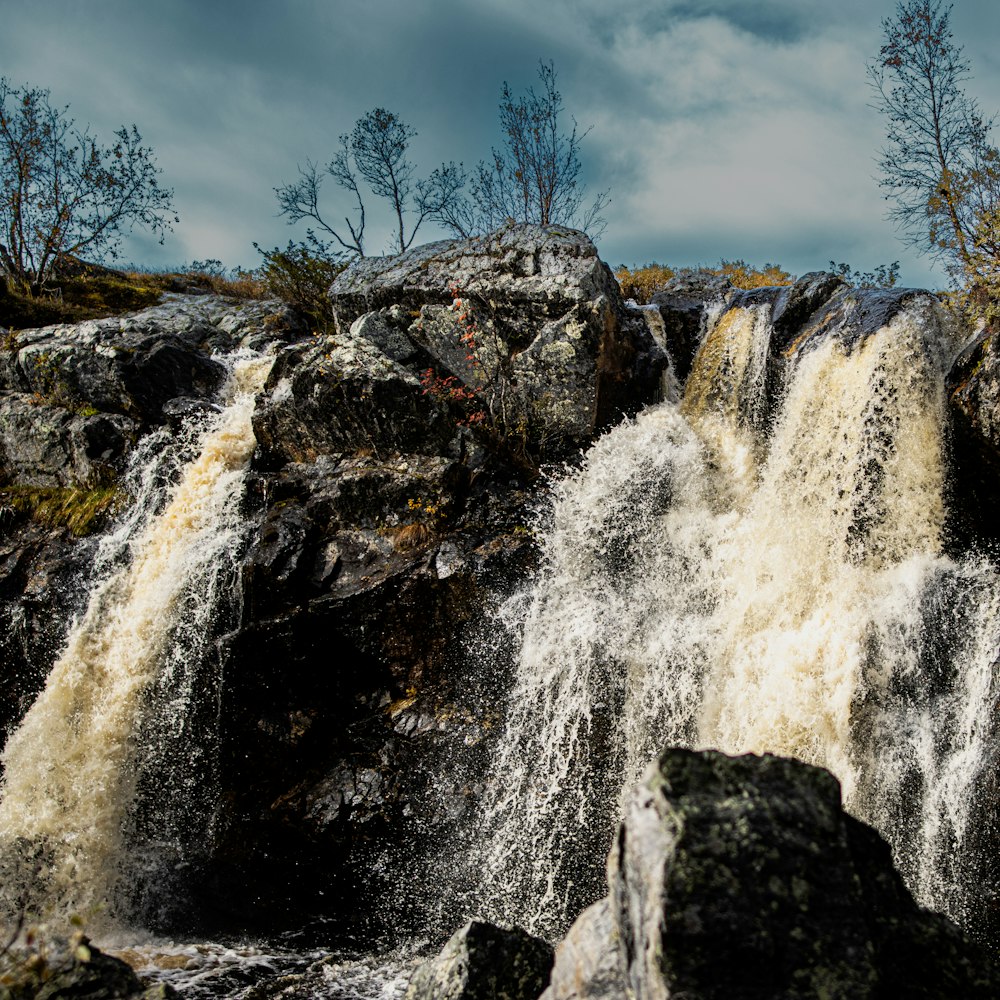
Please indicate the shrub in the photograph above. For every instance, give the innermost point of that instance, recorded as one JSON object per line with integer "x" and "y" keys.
{"x": 744, "y": 275}
{"x": 883, "y": 276}
{"x": 301, "y": 276}
{"x": 641, "y": 283}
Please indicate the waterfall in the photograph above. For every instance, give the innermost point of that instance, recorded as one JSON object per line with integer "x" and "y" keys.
{"x": 122, "y": 696}
{"x": 757, "y": 571}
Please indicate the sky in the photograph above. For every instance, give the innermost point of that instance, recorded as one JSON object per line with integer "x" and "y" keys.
{"x": 721, "y": 128}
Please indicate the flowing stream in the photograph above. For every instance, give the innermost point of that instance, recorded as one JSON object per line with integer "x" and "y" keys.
{"x": 757, "y": 577}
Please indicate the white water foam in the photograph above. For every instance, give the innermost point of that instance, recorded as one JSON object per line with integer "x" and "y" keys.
{"x": 72, "y": 765}
{"x": 737, "y": 574}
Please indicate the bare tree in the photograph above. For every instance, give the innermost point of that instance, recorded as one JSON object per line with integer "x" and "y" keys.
{"x": 375, "y": 152}
{"x": 62, "y": 193}
{"x": 937, "y": 164}
{"x": 535, "y": 177}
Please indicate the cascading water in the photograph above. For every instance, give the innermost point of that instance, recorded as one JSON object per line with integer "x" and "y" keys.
{"x": 756, "y": 575}
{"x": 121, "y": 698}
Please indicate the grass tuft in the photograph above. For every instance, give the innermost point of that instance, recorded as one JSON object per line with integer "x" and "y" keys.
{"x": 81, "y": 511}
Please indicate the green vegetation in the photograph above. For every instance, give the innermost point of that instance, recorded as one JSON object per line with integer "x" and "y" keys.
{"x": 301, "y": 275}
{"x": 82, "y": 511}
{"x": 79, "y": 291}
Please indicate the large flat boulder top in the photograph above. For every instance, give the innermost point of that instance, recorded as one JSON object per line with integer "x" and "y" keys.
{"x": 515, "y": 263}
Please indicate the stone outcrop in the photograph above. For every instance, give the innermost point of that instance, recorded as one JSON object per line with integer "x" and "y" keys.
{"x": 42, "y": 444}
{"x": 73, "y": 399}
{"x": 396, "y": 460}
{"x": 73, "y": 970}
{"x": 744, "y": 878}
{"x": 392, "y": 490}
{"x": 528, "y": 321}
{"x": 482, "y": 962}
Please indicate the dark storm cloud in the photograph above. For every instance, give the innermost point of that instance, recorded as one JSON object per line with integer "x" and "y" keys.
{"x": 723, "y": 128}
{"x": 776, "y": 22}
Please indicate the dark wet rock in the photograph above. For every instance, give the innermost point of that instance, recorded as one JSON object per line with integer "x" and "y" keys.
{"x": 46, "y": 445}
{"x": 974, "y": 403}
{"x": 528, "y": 323}
{"x": 483, "y": 962}
{"x": 39, "y": 593}
{"x": 180, "y": 409}
{"x": 683, "y": 305}
{"x": 345, "y": 395}
{"x": 853, "y": 315}
{"x": 743, "y": 877}
{"x": 792, "y": 306}
{"x": 75, "y": 970}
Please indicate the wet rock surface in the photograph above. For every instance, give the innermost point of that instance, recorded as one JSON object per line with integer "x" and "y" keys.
{"x": 394, "y": 510}
{"x": 743, "y": 877}
{"x": 483, "y": 962}
{"x": 74, "y": 970}
{"x": 974, "y": 402}
{"x": 47, "y": 445}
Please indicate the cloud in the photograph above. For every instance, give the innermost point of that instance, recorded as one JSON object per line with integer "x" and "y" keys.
{"x": 723, "y": 127}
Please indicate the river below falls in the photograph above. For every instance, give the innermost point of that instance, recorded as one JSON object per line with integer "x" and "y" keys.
{"x": 256, "y": 971}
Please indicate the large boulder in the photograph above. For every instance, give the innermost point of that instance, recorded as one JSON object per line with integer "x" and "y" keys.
{"x": 483, "y": 962}
{"x": 526, "y": 326}
{"x": 42, "y": 444}
{"x": 72, "y": 969}
{"x": 744, "y": 878}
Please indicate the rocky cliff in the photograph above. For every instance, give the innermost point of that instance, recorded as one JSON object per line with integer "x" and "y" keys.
{"x": 399, "y": 463}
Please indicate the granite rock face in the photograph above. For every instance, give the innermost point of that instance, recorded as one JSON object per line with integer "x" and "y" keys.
{"x": 74, "y": 399}
{"x": 742, "y": 877}
{"x": 483, "y": 962}
{"x": 527, "y": 321}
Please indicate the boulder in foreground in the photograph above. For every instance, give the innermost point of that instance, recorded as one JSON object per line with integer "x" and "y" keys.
{"x": 743, "y": 878}
{"x": 482, "y": 962}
